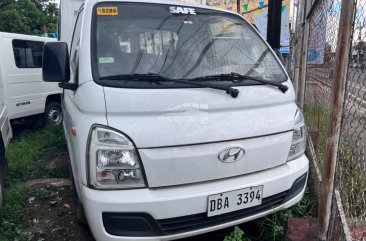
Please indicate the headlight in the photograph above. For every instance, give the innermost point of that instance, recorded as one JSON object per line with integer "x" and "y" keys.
{"x": 298, "y": 144}
{"x": 113, "y": 161}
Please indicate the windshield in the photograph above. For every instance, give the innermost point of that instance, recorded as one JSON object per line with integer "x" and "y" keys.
{"x": 177, "y": 43}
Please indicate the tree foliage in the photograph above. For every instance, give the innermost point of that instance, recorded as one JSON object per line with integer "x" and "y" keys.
{"x": 27, "y": 16}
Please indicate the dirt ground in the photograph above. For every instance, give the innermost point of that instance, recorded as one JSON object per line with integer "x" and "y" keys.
{"x": 50, "y": 216}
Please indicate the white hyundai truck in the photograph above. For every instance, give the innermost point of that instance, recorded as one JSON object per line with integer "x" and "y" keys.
{"x": 179, "y": 119}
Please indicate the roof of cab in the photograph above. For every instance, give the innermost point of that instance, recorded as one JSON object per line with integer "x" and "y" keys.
{"x": 25, "y": 37}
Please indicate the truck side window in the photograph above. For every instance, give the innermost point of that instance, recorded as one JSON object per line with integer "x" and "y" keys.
{"x": 28, "y": 54}
{"x": 76, "y": 36}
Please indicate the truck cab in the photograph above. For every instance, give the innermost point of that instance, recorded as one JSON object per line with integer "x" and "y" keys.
{"x": 179, "y": 119}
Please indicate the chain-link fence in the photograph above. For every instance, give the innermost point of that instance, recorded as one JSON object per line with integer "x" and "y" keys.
{"x": 351, "y": 178}
{"x": 324, "y": 21}
{"x": 323, "y": 35}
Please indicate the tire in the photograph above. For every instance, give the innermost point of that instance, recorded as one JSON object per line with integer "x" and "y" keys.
{"x": 78, "y": 207}
{"x": 53, "y": 114}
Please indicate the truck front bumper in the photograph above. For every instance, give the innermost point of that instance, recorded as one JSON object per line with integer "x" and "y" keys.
{"x": 176, "y": 212}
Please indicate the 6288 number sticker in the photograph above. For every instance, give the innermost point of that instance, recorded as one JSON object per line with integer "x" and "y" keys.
{"x": 107, "y": 11}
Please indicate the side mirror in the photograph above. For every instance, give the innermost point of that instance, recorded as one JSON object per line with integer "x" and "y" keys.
{"x": 55, "y": 66}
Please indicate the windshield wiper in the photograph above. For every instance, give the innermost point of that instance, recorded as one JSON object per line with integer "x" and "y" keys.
{"x": 237, "y": 78}
{"x": 151, "y": 77}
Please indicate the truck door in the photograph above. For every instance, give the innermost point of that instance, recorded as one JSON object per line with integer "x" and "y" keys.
{"x": 69, "y": 106}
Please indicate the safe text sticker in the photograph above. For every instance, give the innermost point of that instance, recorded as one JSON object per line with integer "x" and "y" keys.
{"x": 107, "y": 11}
{"x": 182, "y": 10}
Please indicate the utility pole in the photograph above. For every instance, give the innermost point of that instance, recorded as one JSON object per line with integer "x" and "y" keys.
{"x": 238, "y": 6}
{"x": 338, "y": 95}
{"x": 274, "y": 23}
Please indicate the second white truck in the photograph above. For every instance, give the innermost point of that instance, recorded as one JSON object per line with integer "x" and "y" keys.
{"x": 24, "y": 91}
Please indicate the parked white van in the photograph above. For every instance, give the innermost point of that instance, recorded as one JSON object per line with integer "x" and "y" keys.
{"x": 5, "y": 136}
{"x": 179, "y": 120}
{"x": 25, "y": 92}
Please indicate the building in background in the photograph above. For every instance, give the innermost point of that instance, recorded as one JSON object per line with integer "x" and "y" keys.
{"x": 256, "y": 12}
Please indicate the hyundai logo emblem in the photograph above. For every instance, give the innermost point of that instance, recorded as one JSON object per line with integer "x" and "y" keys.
{"x": 231, "y": 154}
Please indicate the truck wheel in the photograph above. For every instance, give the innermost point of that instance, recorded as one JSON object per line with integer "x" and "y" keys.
{"x": 53, "y": 113}
{"x": 78, "y": 207}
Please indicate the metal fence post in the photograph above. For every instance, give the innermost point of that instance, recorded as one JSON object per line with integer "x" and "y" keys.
{"x": 299, "y": 43}
{"x": 338, "y": 94}
{"x": 304, "y": 56}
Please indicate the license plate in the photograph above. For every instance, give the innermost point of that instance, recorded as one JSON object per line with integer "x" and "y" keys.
{"x": 234, "y": 200}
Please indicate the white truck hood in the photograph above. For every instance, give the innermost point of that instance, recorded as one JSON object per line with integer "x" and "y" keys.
{"x": 173, "y": 117}
{"x": 179, "y": 133}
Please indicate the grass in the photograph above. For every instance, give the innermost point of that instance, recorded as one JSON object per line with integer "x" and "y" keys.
{"x": 26, "y": 158}
{"x": 351, "y": 182}
{"x": 11, "y": 216}
{"x": 316, "y": 119}
{"x": 27, "y": 152}
{"x": 236, "y": 235}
